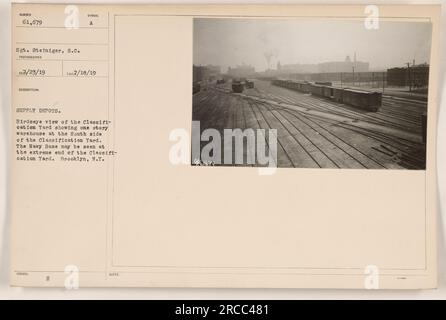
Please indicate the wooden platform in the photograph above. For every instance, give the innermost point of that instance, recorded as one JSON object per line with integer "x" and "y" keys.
{"x": 317, "y": 133}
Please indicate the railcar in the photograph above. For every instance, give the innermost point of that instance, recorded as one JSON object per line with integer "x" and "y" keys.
{"x": 249, "y": 84}
{"x": 324, "y": 83}
{"x": 337, "y": 94}
{"x": 366, "y": 100}
{"x": 317, "y": 90}
{"x": 237, "y": 86}
{"x": 370, "y": 101}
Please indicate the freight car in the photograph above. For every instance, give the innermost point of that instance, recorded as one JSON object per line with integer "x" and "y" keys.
{"x": 305, "y": 87}
{"x": 370, "y": 101}
{"x": 317, "y": 90}
{"x": 324, "y": 83}
{"x": 337, "y": 94}
{"x": 237, "y": 86}
{"x": 249, "y": 84}
{"x": 301, "y": 86}
{"x": 328, "y": 92}
{"x": 366, "y": 100}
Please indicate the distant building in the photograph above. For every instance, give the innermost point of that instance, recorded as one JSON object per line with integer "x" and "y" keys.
{"x": 300, "y": 68}
{"x": 416, "y": 76}
{"x": 343, "y": 66}
{"x": 208, "y": 72}
{"x": 242, "y": 71}
{"x": 325, "y": 67}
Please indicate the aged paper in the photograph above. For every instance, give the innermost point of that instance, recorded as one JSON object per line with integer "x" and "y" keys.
{"x": 127, "y": 171}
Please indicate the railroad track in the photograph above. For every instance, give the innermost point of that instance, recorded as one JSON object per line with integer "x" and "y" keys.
{"x": 318, "y": 133}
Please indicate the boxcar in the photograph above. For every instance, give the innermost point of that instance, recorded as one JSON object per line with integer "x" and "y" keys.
{"x": 328, "y": 92}
{"x": 249, "y": 84}
{"x": 370, "y": 101}
{"x": 324, "y": 83}
{"x": 237, "y": 87}
{"x": 293, "y": 85}
{"x": 317, "y": 90}
{"x": 305, "y": 87}
{"x": 337, "y": 94}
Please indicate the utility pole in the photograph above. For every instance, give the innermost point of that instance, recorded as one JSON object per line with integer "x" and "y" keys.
{"x": 353, "y": 76}
{"x": 384, "y": 74}
{"x": 408, "y": 76}
{"x": 341, "y": 79}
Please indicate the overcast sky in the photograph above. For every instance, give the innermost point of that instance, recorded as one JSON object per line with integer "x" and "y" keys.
{"x": 230, "y": 42}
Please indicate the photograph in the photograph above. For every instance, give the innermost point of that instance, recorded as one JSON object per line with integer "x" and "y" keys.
{"x": 310, "y": 93}
{"x": 156, "y": 151}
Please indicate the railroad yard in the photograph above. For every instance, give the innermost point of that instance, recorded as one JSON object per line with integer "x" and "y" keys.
{"x": 314, "y": 132}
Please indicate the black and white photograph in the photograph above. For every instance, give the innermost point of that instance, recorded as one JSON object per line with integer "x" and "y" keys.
{"x": 171, "y": 151}
{"x": 310, "y": 93}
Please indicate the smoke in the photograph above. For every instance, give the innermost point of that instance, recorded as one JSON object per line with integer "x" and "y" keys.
{"x": 269, "y": 55}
